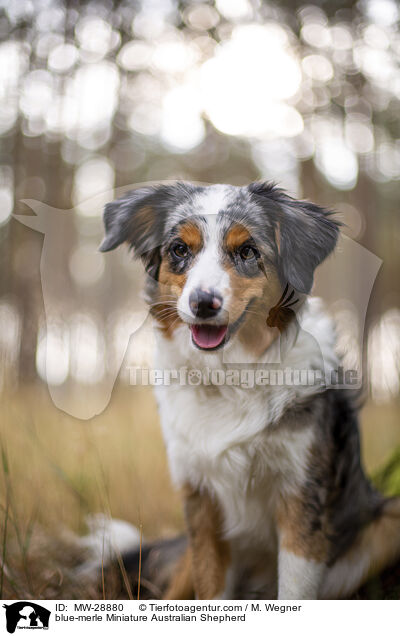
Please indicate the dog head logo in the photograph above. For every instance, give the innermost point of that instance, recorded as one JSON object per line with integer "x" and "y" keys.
{"x": 26, "y": 615}
{"x": 89, "y": 331}
{"x": 348, "y": 275}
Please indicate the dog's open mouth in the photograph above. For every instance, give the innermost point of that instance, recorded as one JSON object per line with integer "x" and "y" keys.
{"x": 208, "y": 336}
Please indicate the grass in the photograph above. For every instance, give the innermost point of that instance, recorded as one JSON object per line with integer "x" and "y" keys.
{"x": 56, "y": 470}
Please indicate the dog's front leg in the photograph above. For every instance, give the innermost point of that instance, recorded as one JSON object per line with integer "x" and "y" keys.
{"x": 210, "y": 553}
{"x": 299, "y": 577}
{"x": 303, "y": 553}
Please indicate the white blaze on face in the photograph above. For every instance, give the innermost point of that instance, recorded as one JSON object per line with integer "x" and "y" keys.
{"x": 207, "y": 272}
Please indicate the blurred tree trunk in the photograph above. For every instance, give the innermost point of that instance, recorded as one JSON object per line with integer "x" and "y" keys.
{"x": 25, "y": 248}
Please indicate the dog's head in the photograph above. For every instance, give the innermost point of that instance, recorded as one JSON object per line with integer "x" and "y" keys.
{"x": 218, "y": 257}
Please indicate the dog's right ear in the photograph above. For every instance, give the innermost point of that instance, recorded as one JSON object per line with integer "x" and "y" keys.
{"x": 137, "y": 218}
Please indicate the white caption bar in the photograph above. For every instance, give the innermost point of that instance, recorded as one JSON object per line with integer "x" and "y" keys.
{"x": 208, "y": 617}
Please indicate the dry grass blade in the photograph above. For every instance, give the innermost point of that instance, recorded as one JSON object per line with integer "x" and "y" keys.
{"x": 140, "y": 560}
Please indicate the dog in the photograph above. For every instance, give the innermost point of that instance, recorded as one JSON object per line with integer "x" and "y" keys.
{"x": 273, "y": 487}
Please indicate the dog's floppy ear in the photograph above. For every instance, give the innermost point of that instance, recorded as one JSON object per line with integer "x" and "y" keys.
{"x": 138, "y": 218}
{"x": 132, "y": 219}
{"x": 305, "y": 234}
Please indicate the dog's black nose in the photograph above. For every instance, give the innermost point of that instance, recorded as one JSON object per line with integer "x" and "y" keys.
{"x": 204, "y": 303}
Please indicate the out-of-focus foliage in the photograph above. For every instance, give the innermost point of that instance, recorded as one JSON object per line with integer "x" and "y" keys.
{"x": 169, "y": 75}
{"x": 173, "y": 72}
{"x": 98, "y": 95}
{"x": 388, "y": 478}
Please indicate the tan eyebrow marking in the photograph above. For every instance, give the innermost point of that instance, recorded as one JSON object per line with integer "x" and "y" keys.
{"x": 191, "y": 235}
{"x": 236, "y": 236}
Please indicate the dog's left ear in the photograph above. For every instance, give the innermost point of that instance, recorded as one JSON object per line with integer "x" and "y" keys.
{"x": 305, "y": 234}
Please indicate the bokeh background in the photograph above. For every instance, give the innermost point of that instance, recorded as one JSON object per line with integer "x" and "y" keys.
{"x": 97, "y": 96}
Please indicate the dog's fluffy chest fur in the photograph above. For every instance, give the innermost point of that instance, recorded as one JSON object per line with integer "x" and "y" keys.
{"x": 234, "y": 442}
{"x": 229, "y": 451}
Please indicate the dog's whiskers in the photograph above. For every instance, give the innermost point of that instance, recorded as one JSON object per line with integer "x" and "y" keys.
{"x": 254, "y": 313}
{"x": 165, "y": 313}
{"x": 165, "y": 302}
{"x": 174, "y": 322}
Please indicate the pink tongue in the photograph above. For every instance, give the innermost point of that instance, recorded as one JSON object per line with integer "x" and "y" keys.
{"x": 208, "y": 336}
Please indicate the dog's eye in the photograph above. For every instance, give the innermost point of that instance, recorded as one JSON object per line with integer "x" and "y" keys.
{"x": 248, "y": 253}
{"x": 180, "y": 250}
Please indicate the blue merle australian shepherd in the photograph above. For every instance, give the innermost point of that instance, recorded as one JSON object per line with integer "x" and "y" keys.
{"x": 276, "y": 502}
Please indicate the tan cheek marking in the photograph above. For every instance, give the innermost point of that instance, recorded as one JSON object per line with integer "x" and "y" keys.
{"x": 242, "y": 290}
{"x": 191, "y": 235}
{"x": 170, "y": 284}
{"x": 235, "y": 237}
{"x": 255, "y": 334}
